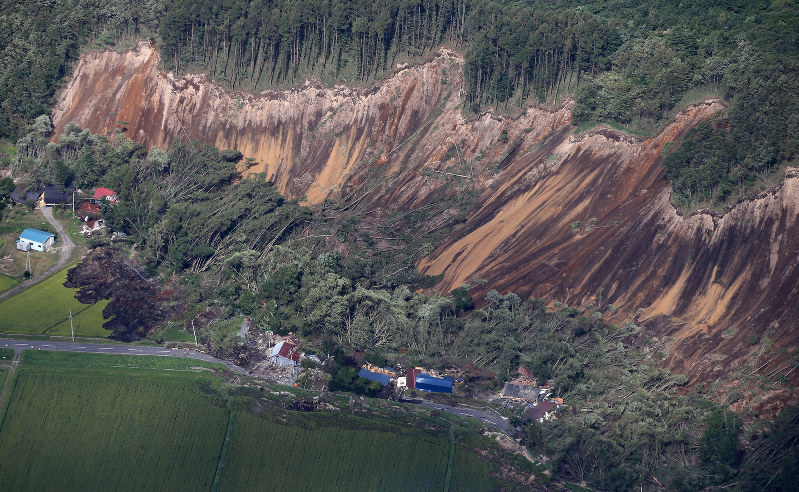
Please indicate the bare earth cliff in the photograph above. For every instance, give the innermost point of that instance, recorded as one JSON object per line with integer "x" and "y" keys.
{"x": 559, "y": 216}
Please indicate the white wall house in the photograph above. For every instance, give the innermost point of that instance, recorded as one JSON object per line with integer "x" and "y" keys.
{"x": 34, "y": 239}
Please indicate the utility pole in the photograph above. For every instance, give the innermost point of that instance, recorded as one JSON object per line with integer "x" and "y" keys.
{"x": 28, "y": 262}
{"x": 196, "y": 345}
{"x": 70, "y": 325}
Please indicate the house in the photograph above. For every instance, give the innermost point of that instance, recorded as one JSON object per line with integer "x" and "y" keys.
{"x": 541, "y": 412}
{"x": 51, "y": 196}
{"x": 88, "y": 209}
{"x": 521, "y": 391}
{"x": 34, "y": 239}
{"x": 285, "y": 353}
{"x": 27, "y": 198}
{"x": 432, "y": 384}
{"x": 383, "y": 379}
{"x": 105, "y": 194}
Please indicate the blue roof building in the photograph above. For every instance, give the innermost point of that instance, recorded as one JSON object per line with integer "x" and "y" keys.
{"x": 426, "y": 382}
{"x": 383, "y": 379}
{"x": 34, "y": 239}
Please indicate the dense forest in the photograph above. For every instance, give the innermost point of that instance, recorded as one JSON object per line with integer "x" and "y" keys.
{"x": 626, "y": 63}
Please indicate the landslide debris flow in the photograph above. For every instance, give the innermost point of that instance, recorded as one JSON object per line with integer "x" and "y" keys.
{"x": 560, "y": 216}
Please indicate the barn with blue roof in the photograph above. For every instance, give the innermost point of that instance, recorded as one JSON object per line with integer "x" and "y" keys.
{"x": 429, "y": 383}
{"x": 34, "y": 239}
{"x": 383, "y": 379}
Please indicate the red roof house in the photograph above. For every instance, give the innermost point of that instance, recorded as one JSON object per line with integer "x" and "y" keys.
{"x": 285, "y": 353}
{"x": 88, "y": 208}
{"x": 105, "y": 194}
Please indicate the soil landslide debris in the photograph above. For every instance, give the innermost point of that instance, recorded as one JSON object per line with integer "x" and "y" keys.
{"x": 559, "y": 216}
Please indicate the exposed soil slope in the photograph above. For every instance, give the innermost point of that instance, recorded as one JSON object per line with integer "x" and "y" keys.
{"x": 559, "y": 216}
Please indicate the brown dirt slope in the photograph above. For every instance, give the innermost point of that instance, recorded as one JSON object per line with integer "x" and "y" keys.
{"x": 559, "y": 217}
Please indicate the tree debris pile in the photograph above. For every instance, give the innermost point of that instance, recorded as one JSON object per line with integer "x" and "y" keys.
{"x": 136, "y": 303}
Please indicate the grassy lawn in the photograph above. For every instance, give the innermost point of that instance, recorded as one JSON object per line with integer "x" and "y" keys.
{"x": 7, "y": 282}
{"x": 110, "y": 422}
{"x": 44, "y": 310}
{"x": 173, "y": 333}
{"x": 12, "y": 261}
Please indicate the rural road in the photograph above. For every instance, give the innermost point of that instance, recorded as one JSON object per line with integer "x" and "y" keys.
{"x": 489, "y": 418}
{"x": 95, "y": 348}
{"x": 64, "y": 254}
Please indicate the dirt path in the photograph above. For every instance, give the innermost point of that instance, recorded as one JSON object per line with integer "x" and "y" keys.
{"x": 64, "y": 255}
{"x": 12, "y": 367}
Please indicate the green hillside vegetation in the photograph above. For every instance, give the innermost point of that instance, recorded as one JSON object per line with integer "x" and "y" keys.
{"x": 87, "y": 428}
{"x": 44, "y": 310}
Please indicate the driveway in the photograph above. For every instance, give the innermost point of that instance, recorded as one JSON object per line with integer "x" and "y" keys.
{"x": 64, "y": 255}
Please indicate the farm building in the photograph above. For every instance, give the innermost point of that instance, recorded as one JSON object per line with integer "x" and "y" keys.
{"x": 105, "y": 194}
{"x": 383, "y": 379}
{"x": 34, "y": 239}
{"x": 410, "y": 377}
{"x": 285, "y": 353}
{"x": 52, "y": 196}
{"x": 27, "y": 198}
{"x": 433, "y": 385}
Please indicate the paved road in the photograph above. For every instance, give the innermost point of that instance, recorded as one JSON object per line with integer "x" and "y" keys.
{"x": 95, "y": 348}
{"x": 489, "y": 418}
{"x": 64, "y": 255}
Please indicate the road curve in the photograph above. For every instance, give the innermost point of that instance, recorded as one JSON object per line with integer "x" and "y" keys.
{"x": 492, "y": 419}
{"x": 95, "y": 348}
{"x": 64, "y": 255}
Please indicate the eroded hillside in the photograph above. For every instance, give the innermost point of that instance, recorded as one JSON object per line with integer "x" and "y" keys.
{"x": 559, "y": 216}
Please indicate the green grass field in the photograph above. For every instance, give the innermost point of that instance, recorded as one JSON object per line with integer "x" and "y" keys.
{"x": 44, "y": 310}
{"x": 98, "y": 422}
{"x": 89, "y": 432}
{"x": 7, "y": 282}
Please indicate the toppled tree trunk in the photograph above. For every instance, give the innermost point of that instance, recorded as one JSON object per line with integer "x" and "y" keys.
{"x": 136, "y": 305}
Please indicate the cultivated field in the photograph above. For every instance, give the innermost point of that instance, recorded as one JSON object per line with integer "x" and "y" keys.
{"x": 97, "y": 422}
{"x": 44, "y": 310}
{"x": 6, "y": 282}
{"x": 78, "y": 430}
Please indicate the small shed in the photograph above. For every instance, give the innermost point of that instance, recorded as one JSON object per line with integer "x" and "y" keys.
{"x": 410, "y": 376}
{"x": 383, "y": 379}
{"x": 285, "y": 353}
{"x": 34, "y": 239}
{"x": 426, "y": 382}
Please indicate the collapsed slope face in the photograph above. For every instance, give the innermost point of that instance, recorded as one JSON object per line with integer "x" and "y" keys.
{"x": 594, "y": 218}
{"x": 559, "y": 217}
